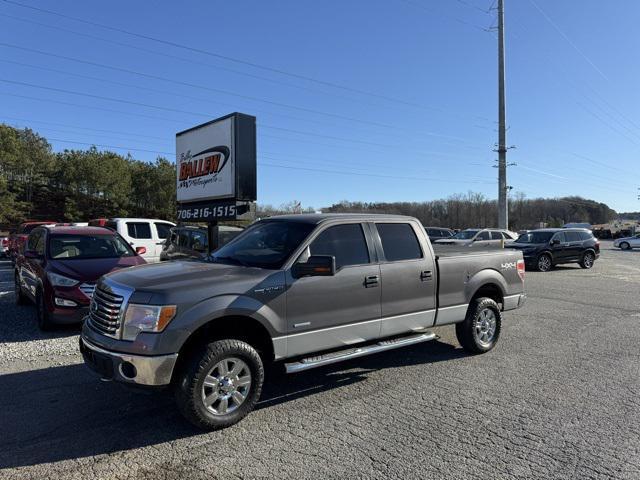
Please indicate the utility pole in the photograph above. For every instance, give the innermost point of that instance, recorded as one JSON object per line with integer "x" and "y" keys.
{"x": 503, "y": 207}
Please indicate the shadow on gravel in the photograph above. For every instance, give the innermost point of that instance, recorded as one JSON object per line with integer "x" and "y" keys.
{"x": 63, "y": 413}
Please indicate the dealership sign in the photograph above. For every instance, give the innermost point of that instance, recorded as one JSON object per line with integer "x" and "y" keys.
{"x": 216, "y": 164}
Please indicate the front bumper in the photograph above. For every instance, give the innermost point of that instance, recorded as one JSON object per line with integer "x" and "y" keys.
{"x": 126, "y": 368}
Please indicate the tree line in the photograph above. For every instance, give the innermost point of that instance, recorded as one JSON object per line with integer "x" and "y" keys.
{"x": 77, "y": 185}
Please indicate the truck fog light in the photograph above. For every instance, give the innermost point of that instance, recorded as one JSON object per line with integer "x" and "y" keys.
{"x": 63, "y": 302}
{"x": 128, "y": 370}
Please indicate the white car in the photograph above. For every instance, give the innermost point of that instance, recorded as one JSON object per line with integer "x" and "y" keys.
{"x": 148, "y": 234}
{"x": 628, "y": 243}
{"x": 479, "y": 237}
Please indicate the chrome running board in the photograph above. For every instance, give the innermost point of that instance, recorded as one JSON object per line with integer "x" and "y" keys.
{"x": 335, "y": 357}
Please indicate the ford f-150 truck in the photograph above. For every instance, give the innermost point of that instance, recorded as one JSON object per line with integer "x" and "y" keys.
{"x": 303, "y": 290}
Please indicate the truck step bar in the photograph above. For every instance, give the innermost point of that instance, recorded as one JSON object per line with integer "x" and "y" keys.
{"x": 335, "y": 357}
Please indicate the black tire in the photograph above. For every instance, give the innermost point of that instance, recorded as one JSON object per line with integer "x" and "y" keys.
{"x": 587, "y": 260}
{"x": 544, "y": 263}
{"x": 21, "y": 298}
{"x": 190, "y": 387}
{"x": 625, "y": 246}
{"x": 44, "y": 319}
{"x": 469, "y": 332}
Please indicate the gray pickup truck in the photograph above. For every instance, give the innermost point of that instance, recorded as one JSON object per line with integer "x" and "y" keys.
{"x": 302, "y": 290}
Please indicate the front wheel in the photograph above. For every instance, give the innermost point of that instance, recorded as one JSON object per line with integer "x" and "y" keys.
{"x": 220, "y": 384}
{"x": 544, "y": 263}
{"x": 480, "y": 330}
{"x": 587, "y": 260}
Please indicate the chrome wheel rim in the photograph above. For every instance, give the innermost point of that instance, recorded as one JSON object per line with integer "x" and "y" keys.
{"x": 485, "y": 328}
{"x": 588, "y": 260}
{"x": 544, "y": 263}
{"x": 226, "y": 386}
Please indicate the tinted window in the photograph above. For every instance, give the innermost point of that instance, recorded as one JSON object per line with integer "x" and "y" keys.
{"x": 585, "y": 235}
{"x": 434, "y": 233}
{"x": 559, "y": 236}
{"x": 484, "y": 235}
{"x": 199, "y": 240}
{"x": 225, "y": 237}
{"x": 345, "y": 242}
{"x": 535, "y": 237}
{"x": 465, "y": 235}
{"x": 496, "y": 236}
{"x": 184, "y": 240}
{"x": 139, "y": 230}
{"x": 572, "y": 236}
{"x": 33, "y": 240}
{"x": 399, "y": 241}
{"x": 163, "y": 230}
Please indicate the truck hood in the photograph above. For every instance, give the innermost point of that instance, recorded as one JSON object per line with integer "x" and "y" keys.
{"x": 175, "y": 276}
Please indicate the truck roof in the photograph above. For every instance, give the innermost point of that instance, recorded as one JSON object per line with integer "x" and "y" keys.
{"x": 315, "y": 218}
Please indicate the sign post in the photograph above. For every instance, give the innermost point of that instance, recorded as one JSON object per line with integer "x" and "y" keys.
{"x": 216, "y": 170}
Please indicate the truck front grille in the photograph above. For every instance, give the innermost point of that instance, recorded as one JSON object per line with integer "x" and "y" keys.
{"x": 104, "y": 311}
{"x": 87, "y": 289}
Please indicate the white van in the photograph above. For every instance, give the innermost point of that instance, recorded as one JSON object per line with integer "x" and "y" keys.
{"x": 141, "y": 233}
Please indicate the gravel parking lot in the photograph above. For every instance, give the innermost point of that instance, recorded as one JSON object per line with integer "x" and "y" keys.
{"x": 558, "y": 398}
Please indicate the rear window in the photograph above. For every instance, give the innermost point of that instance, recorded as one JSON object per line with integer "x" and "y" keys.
{"x": 139, "y": 230}
{"x": 399, "y": 241}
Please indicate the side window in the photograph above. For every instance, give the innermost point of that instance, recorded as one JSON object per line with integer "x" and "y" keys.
{"x": 559, "y": 236}
{"x": 345, "y": 242}
{"x": 33, "y": 240}
{"x": 399, "y": 241}
{"x": 198, "y": 241}
{"x": 39, "y": 246}
{"x": 585, "y": 235}
{"x": 184, "y": 239}
{"x": 163, "y": 230}
{"x": 173, "y": 238}
{"x": 484, "y": 235}
{"x": 139, "y": 230}
{"x": 572, "y": 236}
{"x": 496, "y": 235}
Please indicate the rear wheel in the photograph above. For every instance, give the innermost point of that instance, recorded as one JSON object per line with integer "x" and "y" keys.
{"x": 625, "y": 246}
{"x": 587, "y": 260}
{"x": 220, "y": 384}
{"x": 480, "y": 330}
{"x": 544, "y": 263}
{"x": 44, "y": 318}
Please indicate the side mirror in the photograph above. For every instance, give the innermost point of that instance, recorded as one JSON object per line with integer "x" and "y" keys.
{"x": 141, "y": 250}
{"x": 32, "y": 254}
{"x": 315, "y": 266}
{"x": 555, "y": 241}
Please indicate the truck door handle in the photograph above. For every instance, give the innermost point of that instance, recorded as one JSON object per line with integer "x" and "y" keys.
{"x": 426, "y": 275}
{"x": 371, "y": 281}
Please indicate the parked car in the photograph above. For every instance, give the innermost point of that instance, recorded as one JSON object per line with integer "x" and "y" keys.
{"x": 627, "y": 243}
{"x": 544, "y": 248}
{"x": 305, "y": 290}
{"x": 18, "y": 239}
{"x": 436, "y": 233}
{"x": 192, "y": 242}
{"x": 476, "y": 237}
{"x": 4, "y": 246}
{"x": 60, "y": 266}
{"x": 140, "y": 232}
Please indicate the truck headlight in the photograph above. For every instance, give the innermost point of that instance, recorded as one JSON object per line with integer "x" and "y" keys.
{"x": 146, "y": 318}
{"x": 60, "y": 280}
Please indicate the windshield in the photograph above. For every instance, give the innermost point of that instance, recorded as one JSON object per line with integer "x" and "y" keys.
{"x": 466, "y": 234}
{"x": 266, "y": 245}
{"x": 535, "y": 237}
{"x": 80, "y": 247}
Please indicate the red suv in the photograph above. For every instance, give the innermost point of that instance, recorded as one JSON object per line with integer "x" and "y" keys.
{"x": 18, "y": 239}
{"x": 60, "y": 266}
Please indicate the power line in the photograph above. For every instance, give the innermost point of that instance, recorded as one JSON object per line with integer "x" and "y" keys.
{"x": 220, "y": 56}
{"x": 431, "y": 10}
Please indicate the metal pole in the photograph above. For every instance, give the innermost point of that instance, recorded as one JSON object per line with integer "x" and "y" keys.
{"x": 503, "y": 208}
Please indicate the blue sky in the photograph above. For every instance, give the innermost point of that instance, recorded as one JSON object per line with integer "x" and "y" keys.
{"x": 402, "y": 106}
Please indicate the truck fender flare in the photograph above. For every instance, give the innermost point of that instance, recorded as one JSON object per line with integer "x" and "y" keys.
{"x": 485, "y": 278}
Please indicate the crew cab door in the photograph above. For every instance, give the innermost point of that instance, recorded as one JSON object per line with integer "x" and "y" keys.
{"x": 326, "y": 312}
{"x": 408, "y": 273}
